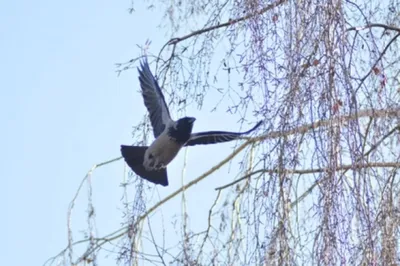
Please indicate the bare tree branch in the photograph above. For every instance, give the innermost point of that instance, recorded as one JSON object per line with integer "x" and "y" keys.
{"x": 313, "y": 171}
{"x": 231, "y": 22}
{"x": 375, "y": 25}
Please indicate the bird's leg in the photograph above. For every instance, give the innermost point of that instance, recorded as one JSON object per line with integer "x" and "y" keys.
{"x": 159, "y": 166}
{"x": 152, "y": 163}
{"x": 149, "y": 162}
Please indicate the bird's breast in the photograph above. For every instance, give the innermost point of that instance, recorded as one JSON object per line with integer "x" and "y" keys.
{"x": 163, "y": 149}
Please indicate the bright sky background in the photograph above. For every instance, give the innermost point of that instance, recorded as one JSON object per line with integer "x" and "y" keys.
{"x": 63, "y": 108}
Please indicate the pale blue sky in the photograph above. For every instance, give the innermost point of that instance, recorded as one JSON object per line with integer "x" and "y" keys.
{"x": 63, "y": 108}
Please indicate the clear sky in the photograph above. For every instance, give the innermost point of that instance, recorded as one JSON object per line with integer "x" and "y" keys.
{"x": 63, "y": 108}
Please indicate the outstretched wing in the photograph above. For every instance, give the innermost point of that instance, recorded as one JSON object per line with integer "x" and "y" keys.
{"x": 211, "y": 137}
{"x": 153, "y": 99}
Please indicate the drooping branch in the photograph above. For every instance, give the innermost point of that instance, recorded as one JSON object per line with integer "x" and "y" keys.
{"x": 72, "y": 203}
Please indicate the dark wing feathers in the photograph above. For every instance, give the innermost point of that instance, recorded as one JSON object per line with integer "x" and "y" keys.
{"x": 134, "y": 156}
{"x": 153, "y": 99}
{"x": 211, "y": 137}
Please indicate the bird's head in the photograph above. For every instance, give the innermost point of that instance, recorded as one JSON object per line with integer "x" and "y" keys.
{"x": 182, "y": 129}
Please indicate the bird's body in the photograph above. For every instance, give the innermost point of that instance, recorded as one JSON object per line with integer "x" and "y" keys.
{"x": 170, "y": 136}
{"x": 161, "y": 152}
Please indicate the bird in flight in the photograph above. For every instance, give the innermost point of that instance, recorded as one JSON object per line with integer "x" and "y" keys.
{"x": 150, "y": 162}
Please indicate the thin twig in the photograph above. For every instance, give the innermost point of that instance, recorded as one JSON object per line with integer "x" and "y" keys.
{"x": 316, "y": 183}
{"x": 72, "y": 203}
{"x": 377, "y": 60}
{"x": 376, "y": 25}
{"x": 230, "y": 22}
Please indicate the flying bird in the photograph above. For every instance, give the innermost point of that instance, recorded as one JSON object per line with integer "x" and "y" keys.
{"x": 150, "y": 162}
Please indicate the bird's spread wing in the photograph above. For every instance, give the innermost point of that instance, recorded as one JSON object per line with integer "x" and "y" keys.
{"x": 153, "y": 99}
{"x": 211, "y": 137}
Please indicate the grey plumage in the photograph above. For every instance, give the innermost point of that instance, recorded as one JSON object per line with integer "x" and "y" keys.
{"x": 170, "y": 136}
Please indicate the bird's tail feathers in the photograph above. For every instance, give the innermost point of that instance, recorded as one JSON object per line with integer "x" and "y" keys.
{"x": 134, "y": 157}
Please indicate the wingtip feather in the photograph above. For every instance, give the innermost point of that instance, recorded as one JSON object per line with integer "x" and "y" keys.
{"x": 257, "y": 125}
{"x": 254, "y": 128}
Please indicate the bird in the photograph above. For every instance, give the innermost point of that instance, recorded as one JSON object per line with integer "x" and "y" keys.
{"x": 150, "y": 162}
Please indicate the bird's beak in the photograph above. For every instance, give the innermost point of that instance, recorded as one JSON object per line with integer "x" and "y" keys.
{"x": 192, "y": 119}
